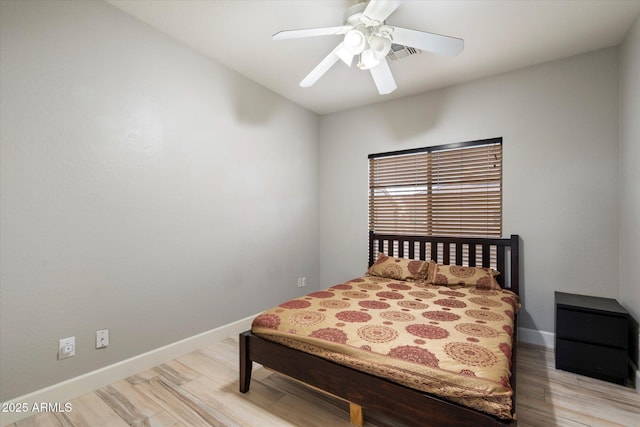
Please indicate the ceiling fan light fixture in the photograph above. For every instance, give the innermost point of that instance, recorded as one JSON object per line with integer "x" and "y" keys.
{"x": 355, "y": 41}
{"x": 368, "y": 60}
{"x": 380, "y": 46}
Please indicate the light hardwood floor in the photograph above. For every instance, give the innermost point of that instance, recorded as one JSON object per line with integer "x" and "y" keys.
{"x": 201, "y": 389}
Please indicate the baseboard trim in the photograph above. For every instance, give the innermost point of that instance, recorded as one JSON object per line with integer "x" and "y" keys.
{"x": 74, "y": 387}
{"x": 532, "y": 336}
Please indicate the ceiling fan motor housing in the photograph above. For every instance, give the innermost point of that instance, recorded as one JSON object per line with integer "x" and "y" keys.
{"x": 353, "y": 15}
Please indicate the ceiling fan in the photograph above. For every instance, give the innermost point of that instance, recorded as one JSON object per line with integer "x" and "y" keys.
{"x": 367, "y": 37}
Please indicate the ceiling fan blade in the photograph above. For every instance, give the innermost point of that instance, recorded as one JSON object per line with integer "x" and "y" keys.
{"x": 322, "y": 67}
{"x": 380, "y": 10}
{"x": 383, "y": 78}
{"x": 431, "y": 42}
{"x": 345, "y": 55}
{"x": 311, "y": 32}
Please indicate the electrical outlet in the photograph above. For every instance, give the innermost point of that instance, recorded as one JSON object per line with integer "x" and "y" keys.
{"x": 302, "y": 282}
{"x": 66, "y": 348}
{"x": 102, "y": 338}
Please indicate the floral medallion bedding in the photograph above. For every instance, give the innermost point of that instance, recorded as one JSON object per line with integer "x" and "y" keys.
{"x": 452, "y": 341}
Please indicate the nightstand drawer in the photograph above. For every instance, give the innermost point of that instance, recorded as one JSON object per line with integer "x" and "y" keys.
{"x": 592, "y": 327}
{"x": 605, "y": 363}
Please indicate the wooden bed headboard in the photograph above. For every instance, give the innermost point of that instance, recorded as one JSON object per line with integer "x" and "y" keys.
{"x": 501, "y": 254}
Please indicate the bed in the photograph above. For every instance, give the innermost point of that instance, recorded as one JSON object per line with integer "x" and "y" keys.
{"x": 382, "y": 314}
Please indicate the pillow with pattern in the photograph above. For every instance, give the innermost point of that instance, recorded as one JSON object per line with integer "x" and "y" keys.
{"x": 399, "y": 268}
{"x": 458, "y": 275}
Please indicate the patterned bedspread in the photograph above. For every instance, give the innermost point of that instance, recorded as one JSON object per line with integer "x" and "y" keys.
{"x": 454, "y": 342}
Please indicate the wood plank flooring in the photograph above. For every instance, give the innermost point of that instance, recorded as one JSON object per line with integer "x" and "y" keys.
{"x": 201, "y": 389}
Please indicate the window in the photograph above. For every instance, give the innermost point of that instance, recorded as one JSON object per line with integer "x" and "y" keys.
{"x": 448, "y": 190}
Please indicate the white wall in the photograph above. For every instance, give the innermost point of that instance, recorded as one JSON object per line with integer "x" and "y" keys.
{"x": 630, "y": 171}
{"x": 144, "y": 189}
{"x": 559, "y": 122}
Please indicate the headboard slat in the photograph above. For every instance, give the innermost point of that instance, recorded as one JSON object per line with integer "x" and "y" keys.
{"x": 501, "y": 263}
{"x": 458, "y": 253}
{"x": 486, "y": 256}
{"x": 472, "y": 254}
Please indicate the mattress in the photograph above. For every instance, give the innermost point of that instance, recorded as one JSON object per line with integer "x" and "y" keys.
{"x": 452, "y": 342}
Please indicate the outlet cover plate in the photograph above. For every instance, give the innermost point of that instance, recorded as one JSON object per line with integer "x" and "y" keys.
{"x": 102, "y": 338}
{"x": 66, "y": 348}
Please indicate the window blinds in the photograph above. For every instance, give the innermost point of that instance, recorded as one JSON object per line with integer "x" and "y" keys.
{"x": 452, "y": 190}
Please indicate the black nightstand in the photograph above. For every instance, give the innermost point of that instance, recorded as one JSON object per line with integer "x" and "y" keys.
{"x": 592, "y": 337}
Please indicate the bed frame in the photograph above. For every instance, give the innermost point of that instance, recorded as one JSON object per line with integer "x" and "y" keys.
{"x": 403, "y": 405}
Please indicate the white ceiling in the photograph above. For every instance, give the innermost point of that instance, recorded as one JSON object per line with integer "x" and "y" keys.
{"x": 499, "y": 35}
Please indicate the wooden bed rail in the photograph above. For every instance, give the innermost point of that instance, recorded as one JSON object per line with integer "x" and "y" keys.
{"x": 500, "y": 253}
